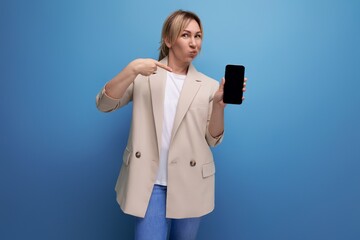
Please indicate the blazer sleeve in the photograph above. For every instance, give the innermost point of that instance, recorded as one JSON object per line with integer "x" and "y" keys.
{"x": 105, "y": 103}
{"x": 212, "y": 141}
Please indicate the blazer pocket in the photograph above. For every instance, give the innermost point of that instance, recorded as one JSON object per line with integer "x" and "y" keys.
{"x": 126, "y": 156}
{"x": 208, "y": 169}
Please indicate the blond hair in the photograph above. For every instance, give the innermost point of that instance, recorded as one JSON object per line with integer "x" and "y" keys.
{"x": 172, "y": 28}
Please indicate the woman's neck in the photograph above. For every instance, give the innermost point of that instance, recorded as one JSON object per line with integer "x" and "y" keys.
{"x": 177, "y": 66}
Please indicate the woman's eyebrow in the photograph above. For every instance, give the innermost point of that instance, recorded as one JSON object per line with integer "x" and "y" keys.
{"x": 188, "y": 31}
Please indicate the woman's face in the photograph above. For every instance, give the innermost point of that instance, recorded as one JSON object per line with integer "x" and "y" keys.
{"x": 188, "y": 44}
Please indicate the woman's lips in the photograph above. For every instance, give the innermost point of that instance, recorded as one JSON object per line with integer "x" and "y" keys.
{"x": 193, "y": 53}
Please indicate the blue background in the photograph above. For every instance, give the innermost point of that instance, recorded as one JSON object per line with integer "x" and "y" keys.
{"x": 288, "y": 167}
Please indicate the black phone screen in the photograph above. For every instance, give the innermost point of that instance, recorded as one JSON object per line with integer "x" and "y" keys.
{"x": 234, "y": 80}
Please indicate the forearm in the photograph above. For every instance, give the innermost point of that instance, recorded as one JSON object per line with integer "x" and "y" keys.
{"x": 216, "y": 124}
{"x": 117, "y": 86}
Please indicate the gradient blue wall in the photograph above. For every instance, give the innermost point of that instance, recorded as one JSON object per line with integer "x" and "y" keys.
{"x": 289, "y": 164}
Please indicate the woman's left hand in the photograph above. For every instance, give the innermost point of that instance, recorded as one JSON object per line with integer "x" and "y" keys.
{"x": 218, "y": 97}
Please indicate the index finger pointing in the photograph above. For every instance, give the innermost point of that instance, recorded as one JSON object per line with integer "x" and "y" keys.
{"x": 166, "y": 67}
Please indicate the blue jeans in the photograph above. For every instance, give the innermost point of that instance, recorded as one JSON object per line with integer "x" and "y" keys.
{"x": 155, "y": 225}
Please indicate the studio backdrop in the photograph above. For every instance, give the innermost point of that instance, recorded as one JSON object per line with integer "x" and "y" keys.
{"x": 288, "y": 168}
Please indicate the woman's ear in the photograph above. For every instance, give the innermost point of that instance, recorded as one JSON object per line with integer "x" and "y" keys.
{"x": 167, "y": 43}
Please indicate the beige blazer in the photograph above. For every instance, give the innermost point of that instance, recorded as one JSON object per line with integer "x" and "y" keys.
{"x": 191, "y": 169}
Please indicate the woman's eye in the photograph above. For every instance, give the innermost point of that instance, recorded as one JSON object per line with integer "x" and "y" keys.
{"x": 185, "y": 35}
{"x": 198, "y": 36}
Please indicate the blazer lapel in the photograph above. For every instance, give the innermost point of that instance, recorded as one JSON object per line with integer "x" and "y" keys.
{"x": 190, "y": 88}
{"x": 157, "y": 89}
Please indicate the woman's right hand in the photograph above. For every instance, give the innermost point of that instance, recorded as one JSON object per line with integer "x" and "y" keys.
{"x": 147, "y": 66}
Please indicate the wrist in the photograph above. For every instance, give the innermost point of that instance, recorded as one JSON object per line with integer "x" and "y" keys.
{"x": 133, "y": 67}
{"x": 219, "y": 106}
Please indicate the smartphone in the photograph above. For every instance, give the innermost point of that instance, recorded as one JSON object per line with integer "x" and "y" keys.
{"x": 234, "y": 81}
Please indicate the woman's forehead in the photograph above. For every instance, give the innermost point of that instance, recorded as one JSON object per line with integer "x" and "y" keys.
{"x": 192, "y": 26}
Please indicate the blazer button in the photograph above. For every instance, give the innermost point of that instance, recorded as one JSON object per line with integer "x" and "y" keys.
{"x": 192, "y": 163}
{"x": 138, "y": 154}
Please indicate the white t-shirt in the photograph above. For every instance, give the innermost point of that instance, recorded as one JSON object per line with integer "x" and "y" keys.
{"x": 174, "y": 84}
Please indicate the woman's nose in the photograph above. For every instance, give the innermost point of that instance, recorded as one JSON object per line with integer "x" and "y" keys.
{"x": 192, "y": 42}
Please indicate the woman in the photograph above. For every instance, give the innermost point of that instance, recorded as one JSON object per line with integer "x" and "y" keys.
{"x": 167, "y": 177}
